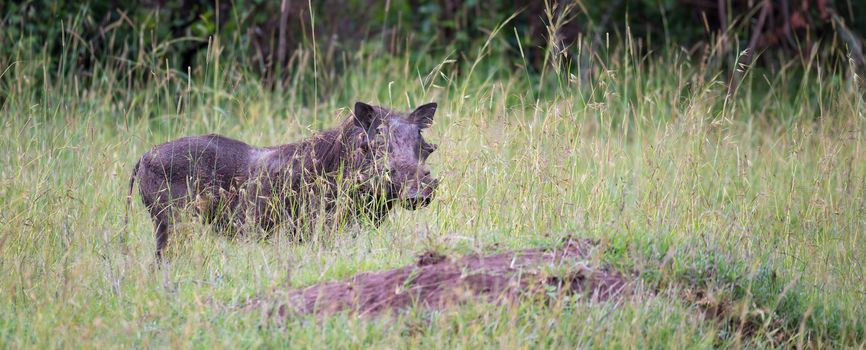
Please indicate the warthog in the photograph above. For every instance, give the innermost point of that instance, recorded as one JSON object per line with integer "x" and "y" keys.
{"x": 371, "y": 161}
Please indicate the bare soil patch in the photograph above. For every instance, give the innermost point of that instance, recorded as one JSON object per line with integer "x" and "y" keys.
{"x": 437, "y": 281}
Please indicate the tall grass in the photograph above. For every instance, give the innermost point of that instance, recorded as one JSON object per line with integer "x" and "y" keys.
{"x": 753, "y": 203}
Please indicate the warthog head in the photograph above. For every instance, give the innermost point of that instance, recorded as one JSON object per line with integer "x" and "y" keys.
{"x": 397, "y": 152}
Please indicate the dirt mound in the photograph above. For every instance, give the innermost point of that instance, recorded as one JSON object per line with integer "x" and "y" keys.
{"x": 437, "y": 281}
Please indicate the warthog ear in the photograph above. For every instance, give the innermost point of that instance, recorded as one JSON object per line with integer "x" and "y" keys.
{"x": 423, "y": 115}
{"x": 365, "y": 115}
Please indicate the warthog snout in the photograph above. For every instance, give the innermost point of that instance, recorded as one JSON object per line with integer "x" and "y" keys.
{"x": 419, "y": 193}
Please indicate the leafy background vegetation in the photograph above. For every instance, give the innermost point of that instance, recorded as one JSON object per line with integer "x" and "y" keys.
{"x": 719, "y": 162}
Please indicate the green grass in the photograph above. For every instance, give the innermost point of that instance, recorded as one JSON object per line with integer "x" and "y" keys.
{"x": 753, "y": 203}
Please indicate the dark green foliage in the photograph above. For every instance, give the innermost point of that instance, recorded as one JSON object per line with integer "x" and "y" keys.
{"x": 177, "y": 32}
